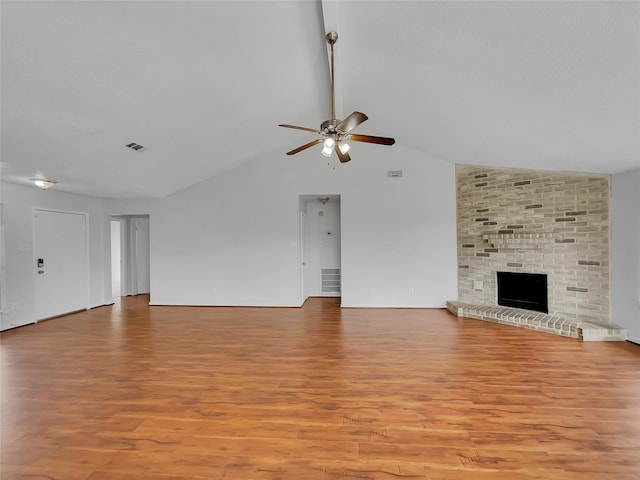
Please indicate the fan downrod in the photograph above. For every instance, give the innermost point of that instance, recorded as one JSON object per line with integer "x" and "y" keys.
{"x": 332, "y": 38}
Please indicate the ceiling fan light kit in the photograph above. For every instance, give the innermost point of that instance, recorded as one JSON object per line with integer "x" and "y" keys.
{"x": 336, "y": 133}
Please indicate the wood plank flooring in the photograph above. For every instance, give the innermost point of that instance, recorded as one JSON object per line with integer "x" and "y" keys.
{"x": 136, "y": 392}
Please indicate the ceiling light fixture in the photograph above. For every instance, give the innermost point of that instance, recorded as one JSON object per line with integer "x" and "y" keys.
{"x": 328, "y": 147}
{"x": 43, "y": 183}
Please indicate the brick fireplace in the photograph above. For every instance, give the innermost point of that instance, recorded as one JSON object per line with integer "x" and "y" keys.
{"x": 540, "y": 222}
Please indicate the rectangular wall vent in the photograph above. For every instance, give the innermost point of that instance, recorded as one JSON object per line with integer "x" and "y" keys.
{"x": 394, "y": 173}
{"x": 330, "y": 278}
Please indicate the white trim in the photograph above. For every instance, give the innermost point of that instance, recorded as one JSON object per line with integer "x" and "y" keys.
{"x": 634, "y": 339}
{"x": 303, "y": 254}
{"x": 3, "y": 282}
{"x": 121, "y": 246}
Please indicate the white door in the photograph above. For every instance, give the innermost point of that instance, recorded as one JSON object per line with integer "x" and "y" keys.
{"x": 141, "y": 226}
{"x": 60, "y": 263}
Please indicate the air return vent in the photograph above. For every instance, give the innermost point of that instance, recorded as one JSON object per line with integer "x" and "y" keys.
{"x": 330, "y": 278}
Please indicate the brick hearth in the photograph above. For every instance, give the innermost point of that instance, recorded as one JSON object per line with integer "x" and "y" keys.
{"x": 567, "y": 327}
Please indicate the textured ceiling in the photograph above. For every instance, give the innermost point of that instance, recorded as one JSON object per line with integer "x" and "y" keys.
{"x": 202, "y": 85}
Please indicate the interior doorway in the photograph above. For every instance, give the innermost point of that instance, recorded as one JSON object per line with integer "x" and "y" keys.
{"x": 130, "y": 255}
{"x": 141, "y": 241}
{"x": 116, "y": 258}
{"x": 320, "y": 240}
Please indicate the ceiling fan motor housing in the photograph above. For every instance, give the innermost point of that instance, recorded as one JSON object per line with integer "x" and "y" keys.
{"x": 329, "y": 126}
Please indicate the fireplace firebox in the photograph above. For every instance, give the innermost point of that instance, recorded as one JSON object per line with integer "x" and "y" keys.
{"x": 523, "y": 290}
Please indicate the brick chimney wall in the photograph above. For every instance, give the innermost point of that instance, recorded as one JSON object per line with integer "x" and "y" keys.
{"x": 535, "y": 221}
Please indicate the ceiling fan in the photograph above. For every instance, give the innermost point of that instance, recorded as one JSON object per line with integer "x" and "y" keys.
{"x": 335, "y": 133}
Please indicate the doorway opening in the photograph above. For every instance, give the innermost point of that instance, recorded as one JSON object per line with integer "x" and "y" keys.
{"x": 116, "y": 259}
{"x": 130, "y": 255}
{"x": 320, "y": 246}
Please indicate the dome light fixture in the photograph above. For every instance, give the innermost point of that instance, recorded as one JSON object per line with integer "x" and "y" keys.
{"x": 43, "y": 183}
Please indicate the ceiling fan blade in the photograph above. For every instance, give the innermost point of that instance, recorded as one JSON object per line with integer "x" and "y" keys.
{"x": 305, "y": 146}
{"x": 352, "y": 121}
{"x": 343, "y": 157}
{"x": 371, "y": 139}
{"x": 320, "y": 132}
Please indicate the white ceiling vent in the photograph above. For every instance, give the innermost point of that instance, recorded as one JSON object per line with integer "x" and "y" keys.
{"x": 135, "y": 146}
{"x": 394, "y": 173}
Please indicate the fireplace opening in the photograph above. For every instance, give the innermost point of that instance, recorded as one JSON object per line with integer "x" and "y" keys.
{"x": 523, "y": 290}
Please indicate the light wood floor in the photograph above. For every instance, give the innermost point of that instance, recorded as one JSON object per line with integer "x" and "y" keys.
{"x": 135, "y": 392}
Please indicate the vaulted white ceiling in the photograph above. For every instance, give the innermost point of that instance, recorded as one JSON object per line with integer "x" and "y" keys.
{"x": 202, "y": 85}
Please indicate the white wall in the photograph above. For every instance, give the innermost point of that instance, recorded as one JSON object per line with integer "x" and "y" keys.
{"x": 18, "y": 203}
{"x": 625, "y": 261}
{"x": 235, "y": 239}
{"x": 239, "y": 233}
